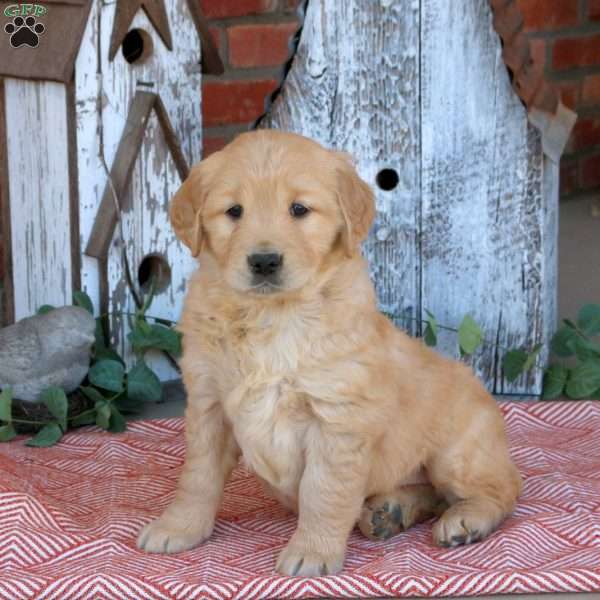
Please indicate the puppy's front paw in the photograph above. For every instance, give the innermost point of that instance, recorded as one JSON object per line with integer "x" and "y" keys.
{"x": 464, "y": 523}
{"x": 305, "y": 560}
{"x": 166, "y": 536}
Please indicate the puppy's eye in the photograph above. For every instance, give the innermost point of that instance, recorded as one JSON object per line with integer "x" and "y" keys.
{"x": 235, "y": 212}
{"x": 298, "y": 210}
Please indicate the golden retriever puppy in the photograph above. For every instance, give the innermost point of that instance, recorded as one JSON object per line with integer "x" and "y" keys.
{"x": 288, "y": 362}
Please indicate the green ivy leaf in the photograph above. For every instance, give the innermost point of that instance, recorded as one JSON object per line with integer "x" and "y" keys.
{"x": 555, "y": 379}
{"x": 142, "y": 325}
{"x": 46, "y": 436}
{"x": 143, "y": 384}
{"x": 564, "y": 342}
{"x": 431, "y": 330}
{"x": 585, "y": 349}
{"x": 83, "y": 419}
{"x": 117, "y": 423}
{"x": 108, "y": 354}
{"x": 58, "y": 405}
{"x": 532, "y": 358}
{"x": 128, "y": 405}
{"x": 108, "y": 375}
{"x": 469, "y": 335}
{"x": 155, "y": 336}
{"x": 584, "y": 380}
{"x": 92, "y": 393}
{"x": 6, "y": 397}
{"x": 588, "y": 319}
{"x": 513, "y": 364}
{"x": 103, "y": 414}
{"x": 44, "y": 309}
{"x": 7, "y": 433}
{"x": 83, "y": 300}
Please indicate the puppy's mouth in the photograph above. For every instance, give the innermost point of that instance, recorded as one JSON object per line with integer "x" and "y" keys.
{"x": 265, "y": 287}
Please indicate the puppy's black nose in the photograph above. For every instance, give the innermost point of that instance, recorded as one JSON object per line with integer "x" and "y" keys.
{"x": 265, "y": 264}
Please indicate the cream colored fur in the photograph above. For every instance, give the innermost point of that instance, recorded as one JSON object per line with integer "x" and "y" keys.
{"x": 326, "y": 400}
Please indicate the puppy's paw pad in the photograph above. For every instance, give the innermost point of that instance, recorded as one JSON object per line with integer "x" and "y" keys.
{"x": 163, "y": 537}
{"x": 452, "y": 530}
{"x": 302, "y": 563}
{"x": 380, "y": 520}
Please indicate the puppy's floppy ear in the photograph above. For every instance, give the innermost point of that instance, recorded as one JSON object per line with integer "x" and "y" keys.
{"x": 357, "y": 203}
{"x": 186, "y": 210}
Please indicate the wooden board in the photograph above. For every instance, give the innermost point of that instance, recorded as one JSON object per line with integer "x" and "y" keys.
{"x": 108, "y": 213}
{"x": 7, "y": 314}
{"x": 38, "y": 166}
{"x": 421, "y": 87}
{"x": 484, "y": 238}
{"x": 105, "y": 91}
{"x": 124, "y": 13}
{"x": 54, "y": 56}
{"x": 146, "y": 233}
{"x": 354, "y": 86}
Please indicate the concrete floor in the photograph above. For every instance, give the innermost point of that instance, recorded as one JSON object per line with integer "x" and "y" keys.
{"x": 578, "y": 255}
{"x": 579, "y": 283}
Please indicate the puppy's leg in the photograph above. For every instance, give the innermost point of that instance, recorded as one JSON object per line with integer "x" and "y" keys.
{"x": 481, "y": 484}
{"x": 386, "y": 515}
{"x": 331, "y": 494}
{"x": 211, "y": 454}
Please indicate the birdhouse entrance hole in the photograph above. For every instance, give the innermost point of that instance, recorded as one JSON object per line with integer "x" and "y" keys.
{"x": 387, "y": 179}
{"x": 137, "y": 46}
{"x": 154, "y": 268}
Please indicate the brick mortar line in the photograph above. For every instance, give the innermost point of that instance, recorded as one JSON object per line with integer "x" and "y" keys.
{"x": 217, "y": 131}
{"x": 579, "y": 195}
{"x": 270, "y": 19}
{"x": 245, "y": 74}
{"x": 587, "y": 152}
{"x": 571, "y": 73}
{"x": 586, "y": 29}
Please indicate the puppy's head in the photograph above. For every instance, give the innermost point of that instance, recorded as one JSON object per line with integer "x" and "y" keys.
{"x": 274, "y": 210}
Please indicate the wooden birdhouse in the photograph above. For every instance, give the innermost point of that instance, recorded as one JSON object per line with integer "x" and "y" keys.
{"x": 100, "y": 119}
{"x": 464, "y": 165}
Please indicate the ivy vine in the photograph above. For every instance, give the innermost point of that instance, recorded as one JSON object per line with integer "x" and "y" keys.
{"x": 114, "y": 392}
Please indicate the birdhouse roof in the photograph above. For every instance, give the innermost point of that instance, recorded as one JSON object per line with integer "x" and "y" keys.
{"x": 64, "y": 21}
{"x": 53, "y": 55}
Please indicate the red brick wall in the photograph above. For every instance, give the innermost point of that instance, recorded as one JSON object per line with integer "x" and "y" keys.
{"x": 253, "y": 40}
{"x": 565, "y": 35}
{"x": 252, "y": 37}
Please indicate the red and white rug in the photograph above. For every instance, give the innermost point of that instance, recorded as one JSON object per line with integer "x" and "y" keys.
{"x": 69, "y": 517}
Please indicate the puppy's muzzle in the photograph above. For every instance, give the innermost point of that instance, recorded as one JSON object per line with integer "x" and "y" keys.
{"x": 265, "y": 266}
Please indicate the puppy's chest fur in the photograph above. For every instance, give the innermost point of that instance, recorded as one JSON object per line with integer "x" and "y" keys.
{"x": 268, "y": 407}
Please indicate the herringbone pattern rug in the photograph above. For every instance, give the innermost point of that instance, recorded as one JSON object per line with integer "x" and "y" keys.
{"x": 69, "y": 516}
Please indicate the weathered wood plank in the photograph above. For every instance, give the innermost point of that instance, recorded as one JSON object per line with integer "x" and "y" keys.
{"x": 7, "y": 308}
{"x": 127, "y": 152}
{"x": 91, "y": 177}
{"x": 125, "y": 11}
{"x": 146, "y": 232}
{"x": 484, "y": 246}
{"x": 38, "y": 164}
{"x": 354, "y": 86}
{"x": 104, "y": 102}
